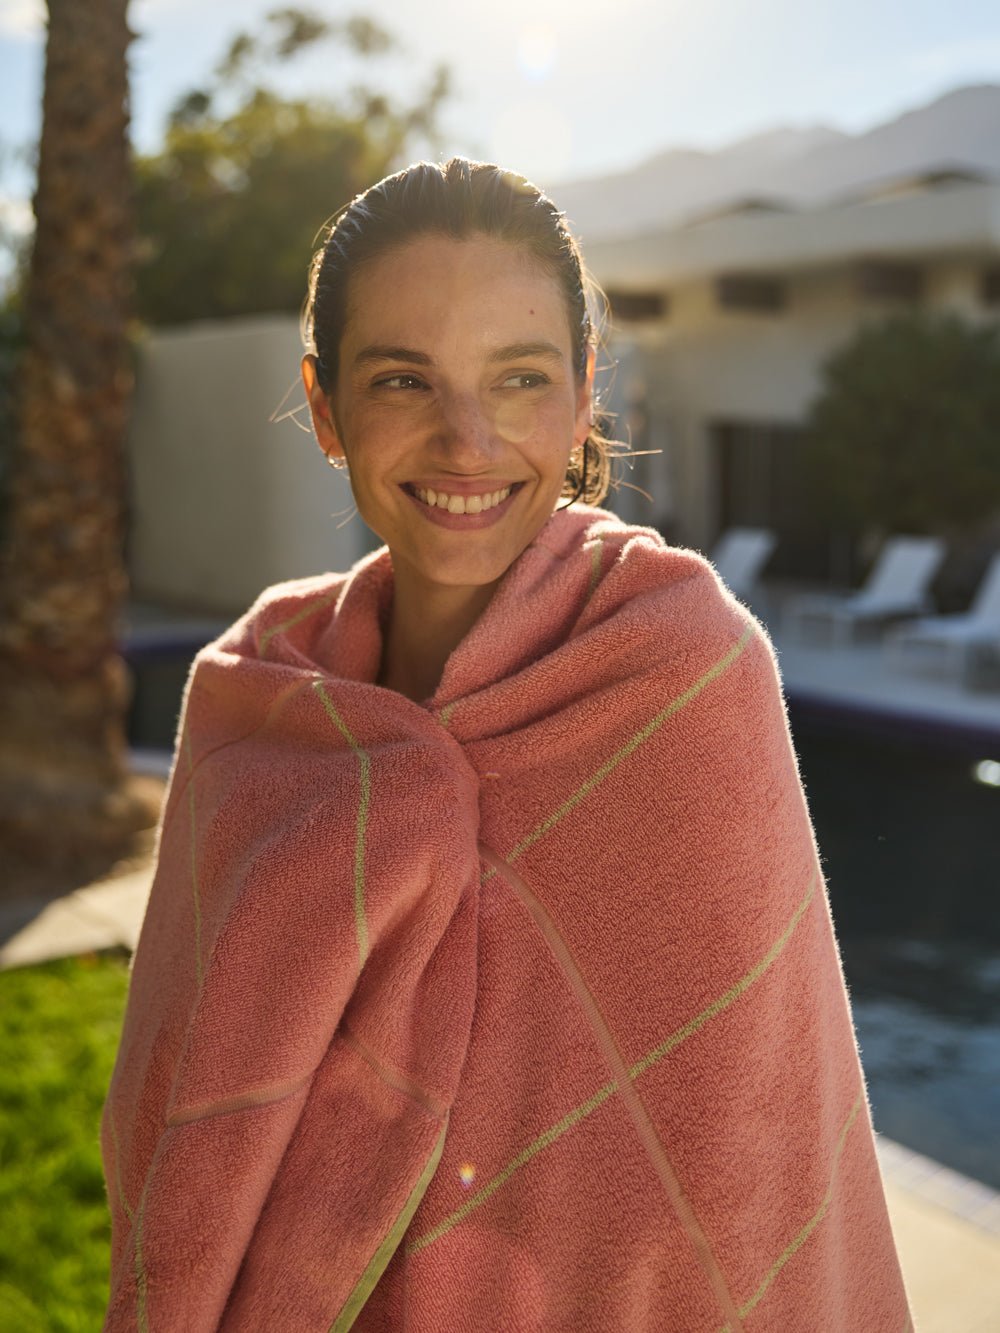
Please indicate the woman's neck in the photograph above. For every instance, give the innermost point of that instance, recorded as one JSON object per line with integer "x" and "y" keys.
{"x": 425, "y": 626}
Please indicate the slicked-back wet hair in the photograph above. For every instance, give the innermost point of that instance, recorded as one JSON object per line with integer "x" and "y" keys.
{"x": 459, "y": 199}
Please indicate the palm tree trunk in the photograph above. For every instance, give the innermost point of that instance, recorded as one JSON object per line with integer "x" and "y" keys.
{"x": 63, "y": 690}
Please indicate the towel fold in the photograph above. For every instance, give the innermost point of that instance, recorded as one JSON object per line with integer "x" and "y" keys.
{"x": 518, "y": 1010}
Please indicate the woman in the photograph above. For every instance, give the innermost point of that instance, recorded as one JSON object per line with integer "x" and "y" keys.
{"x": 488, "y": 980}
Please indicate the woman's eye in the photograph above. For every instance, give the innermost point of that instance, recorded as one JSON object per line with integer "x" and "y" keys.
{"x": 400, "y": 381}
{"x": 526, "y": 379}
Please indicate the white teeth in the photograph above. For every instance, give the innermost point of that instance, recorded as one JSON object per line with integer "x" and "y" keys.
{"x": 461, "y": 504}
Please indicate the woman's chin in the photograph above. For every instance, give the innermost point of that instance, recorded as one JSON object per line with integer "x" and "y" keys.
{"x": 447, "y": 557}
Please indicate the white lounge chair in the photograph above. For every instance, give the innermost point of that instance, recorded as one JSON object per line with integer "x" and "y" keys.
{"x": 896, "y": 587}
{"x": 739, "y": 556}
{"x": 946, "y": 645}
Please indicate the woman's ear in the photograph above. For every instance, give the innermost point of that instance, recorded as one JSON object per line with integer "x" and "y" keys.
{"x": 321, "y": 411}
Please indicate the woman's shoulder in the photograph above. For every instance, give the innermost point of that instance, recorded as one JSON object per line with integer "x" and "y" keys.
{"x": 670, "y": 599}
{"x": 324, "y": 622}
{"x": 631, "y": 560}
{"x": 277, "y": 609}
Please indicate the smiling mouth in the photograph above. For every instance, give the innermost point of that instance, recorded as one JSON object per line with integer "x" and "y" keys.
{"x": 462, "y": 504}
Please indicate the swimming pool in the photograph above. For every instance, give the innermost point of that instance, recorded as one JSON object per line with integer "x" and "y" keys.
{"x": 907, "y": 832}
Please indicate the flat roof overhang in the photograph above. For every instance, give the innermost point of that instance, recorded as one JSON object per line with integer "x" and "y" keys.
{"x": 961, "y": 220}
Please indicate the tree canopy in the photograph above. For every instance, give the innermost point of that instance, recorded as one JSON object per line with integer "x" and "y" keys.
{"x": 905, "y": 433}
{"x": 230, "y": 208}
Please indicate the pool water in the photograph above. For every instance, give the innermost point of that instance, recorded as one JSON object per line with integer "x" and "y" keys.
{"x": 908, "y": 838}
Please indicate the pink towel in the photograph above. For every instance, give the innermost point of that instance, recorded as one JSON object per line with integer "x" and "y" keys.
{"x": 520, "y": 1010}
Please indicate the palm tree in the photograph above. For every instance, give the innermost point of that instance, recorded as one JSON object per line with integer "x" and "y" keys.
{"x": 64, "y": 790}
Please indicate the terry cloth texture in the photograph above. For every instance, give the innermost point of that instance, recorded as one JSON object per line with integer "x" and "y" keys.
{"x": 518, "y": 1010}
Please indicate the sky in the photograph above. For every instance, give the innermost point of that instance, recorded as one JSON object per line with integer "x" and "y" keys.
{"x": 563, "y": 89}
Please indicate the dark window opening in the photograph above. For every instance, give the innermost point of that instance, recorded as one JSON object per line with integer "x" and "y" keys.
{"x": 750, "y": 291}
{"x": 636, "y": 307}
{"x": 878, "y": 280}
{"x": 989, "y": 287}
{"x": 762, "y": 482}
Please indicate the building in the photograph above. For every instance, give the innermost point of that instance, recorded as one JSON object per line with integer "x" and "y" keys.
{"x": 227, "y": 494}
{"x": 723, "y": 324}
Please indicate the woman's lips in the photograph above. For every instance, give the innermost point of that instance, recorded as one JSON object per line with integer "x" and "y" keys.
{"x": 465, "y": 506}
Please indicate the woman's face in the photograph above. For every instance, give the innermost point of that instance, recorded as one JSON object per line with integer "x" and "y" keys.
{"x": 456, "y": 405}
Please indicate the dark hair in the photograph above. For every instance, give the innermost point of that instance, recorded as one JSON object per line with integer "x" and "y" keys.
{"x": 459, "y": 199}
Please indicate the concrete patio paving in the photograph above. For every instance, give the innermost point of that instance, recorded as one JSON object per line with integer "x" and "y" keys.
{"x": 865, "y": 679}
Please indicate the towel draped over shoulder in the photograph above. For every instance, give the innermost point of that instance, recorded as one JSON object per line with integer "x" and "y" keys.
{"x": 518, "y": 1010}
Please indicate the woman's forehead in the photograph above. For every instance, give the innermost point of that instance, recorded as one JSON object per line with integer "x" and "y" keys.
{"x": 434, "y": 283}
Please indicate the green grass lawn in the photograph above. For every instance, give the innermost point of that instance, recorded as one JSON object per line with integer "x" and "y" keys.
{"x": 59, "y": 1028}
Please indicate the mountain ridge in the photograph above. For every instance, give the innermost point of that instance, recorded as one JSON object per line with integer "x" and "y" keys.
{"x": 798, "y": 166}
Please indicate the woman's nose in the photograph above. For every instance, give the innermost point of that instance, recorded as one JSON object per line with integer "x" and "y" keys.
{"x": 467, "y": 431}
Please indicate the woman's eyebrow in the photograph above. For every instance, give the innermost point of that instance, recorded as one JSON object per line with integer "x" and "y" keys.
{"x": 511, "y": 352}
{"x": 377, "y": 352}
{"x": 526, "y": 351}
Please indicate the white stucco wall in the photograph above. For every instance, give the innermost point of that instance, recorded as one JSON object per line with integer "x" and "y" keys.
{"x": 706, "y": 364}
{"x": 223, "y": 501}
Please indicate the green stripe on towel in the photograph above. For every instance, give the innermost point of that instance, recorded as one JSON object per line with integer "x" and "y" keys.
{"x": 630, "y": 747}
{"x": 118, "y": 1173}
{"x": 798, "y": 1241}
{"x": 308, "y": 610}
{"x": 596, "y": 556}
{"x": 361, "y": 827}
{"x": 369, "y": 1278}
{"x": 574, "y": 1117}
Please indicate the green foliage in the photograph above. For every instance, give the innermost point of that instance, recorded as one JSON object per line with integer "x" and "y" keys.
{"x": 905, "y": 435}
{"x": 59, "y": 1030}
{"x": 230, "y": 209}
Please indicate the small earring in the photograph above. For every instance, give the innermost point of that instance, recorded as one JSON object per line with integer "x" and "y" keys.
{"x": 338, "y": 463}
